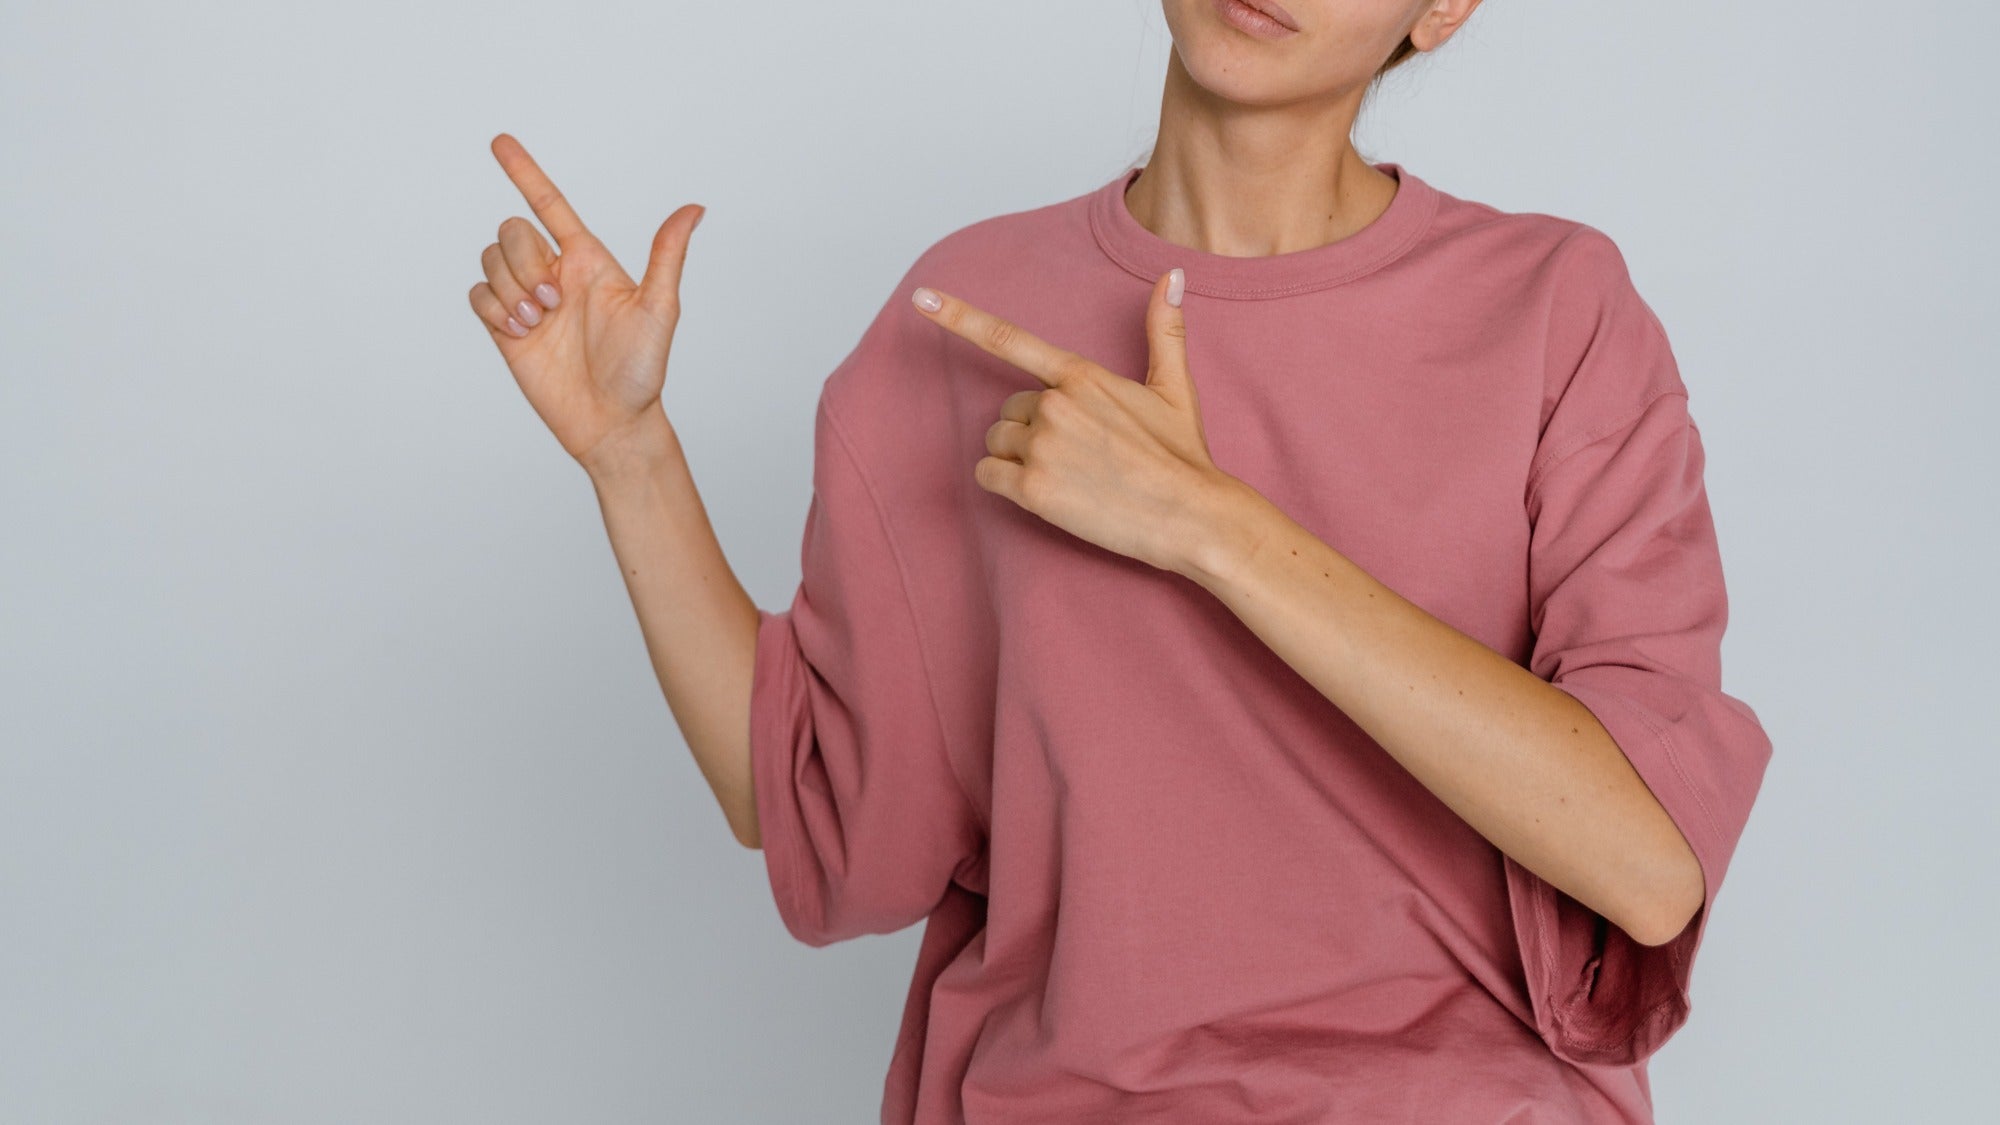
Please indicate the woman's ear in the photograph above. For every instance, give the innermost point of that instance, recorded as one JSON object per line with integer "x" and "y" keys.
{"x": 1439, "y": 22}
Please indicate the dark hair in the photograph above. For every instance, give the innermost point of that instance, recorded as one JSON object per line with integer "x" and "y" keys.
{"x": 1397, "y": 57}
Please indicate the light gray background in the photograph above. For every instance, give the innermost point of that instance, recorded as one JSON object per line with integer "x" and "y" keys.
{"x": 335, "y": 783}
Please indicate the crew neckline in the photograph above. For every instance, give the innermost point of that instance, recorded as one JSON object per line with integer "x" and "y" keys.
{"x": 1147, "y": 255}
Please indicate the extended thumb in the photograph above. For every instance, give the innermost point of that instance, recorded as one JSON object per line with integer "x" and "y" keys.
{"x": 1166, "y": 334}
{"x": 661, "y": 286}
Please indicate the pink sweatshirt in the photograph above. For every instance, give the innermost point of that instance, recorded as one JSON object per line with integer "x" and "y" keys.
{"x": 1163, "y": 878}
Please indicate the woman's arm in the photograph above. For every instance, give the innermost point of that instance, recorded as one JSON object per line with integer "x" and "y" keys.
{"x": 1125, "y": 464}
{"x": 699, "y": 624}
{"x": 1523, "y": 762}
{"x": 588, "y": 347}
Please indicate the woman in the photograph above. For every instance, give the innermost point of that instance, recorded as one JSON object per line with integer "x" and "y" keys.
{"x": 1262, "y": 613}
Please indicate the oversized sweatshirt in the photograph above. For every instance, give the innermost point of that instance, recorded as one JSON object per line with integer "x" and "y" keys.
{"x": 1164, "y": 879}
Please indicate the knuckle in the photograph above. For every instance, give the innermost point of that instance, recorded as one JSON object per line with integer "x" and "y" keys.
{"x": 1048, "y": 450}
{"x": 1034, "y": 486}
{"x": 1071, "y": 368}
{"x": 1031, "y": 439}
{"x": 1001, "y": 333}
{"x": 1053, "y": 407}
{"x": 1100, "y": 391}
{"x": 501, "y": 276}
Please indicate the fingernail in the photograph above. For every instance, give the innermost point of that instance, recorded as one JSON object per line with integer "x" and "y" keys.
{"x": 515, "y": 328}
{"x": 927, "y": 300}
{"x": 1176, "y": 285}
{"x": 529, "y": 314}
{"x": 547, "y": 295}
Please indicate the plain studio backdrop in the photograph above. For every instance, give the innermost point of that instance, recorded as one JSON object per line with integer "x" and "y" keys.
{"x": 334, "y": 783}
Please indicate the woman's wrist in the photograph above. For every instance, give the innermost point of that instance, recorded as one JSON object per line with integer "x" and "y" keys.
{"x": 1226, "y": 520}
{"x": 636, "y": 448}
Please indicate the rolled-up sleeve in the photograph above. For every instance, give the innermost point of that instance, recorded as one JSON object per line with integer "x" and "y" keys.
{"x": 1628, "y": 608}
{"x": 863, "y": 822}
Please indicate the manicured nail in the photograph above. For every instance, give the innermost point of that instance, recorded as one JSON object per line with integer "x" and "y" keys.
{"x": 1176, "y": 285}
{"x": 927, "y": 300}
{"x": 515, "y": 328}
{"x": 529, "y": 314}
{"x": 547, "y": 295}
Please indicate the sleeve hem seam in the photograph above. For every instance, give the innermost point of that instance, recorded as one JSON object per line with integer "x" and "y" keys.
{"x": 1668, "y": 751}
{"x": 1703, "y": 825}
{"x": 785, "y": 860}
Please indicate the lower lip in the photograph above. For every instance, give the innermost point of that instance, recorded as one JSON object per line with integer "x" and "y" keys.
{"x": 1249, "y": 20}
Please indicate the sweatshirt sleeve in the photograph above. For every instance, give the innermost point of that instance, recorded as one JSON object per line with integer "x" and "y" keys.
{"x": 863, "y": 822}
{"x": 1628, "y": 609}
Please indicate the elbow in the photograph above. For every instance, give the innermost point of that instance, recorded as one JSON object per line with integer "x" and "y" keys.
{"x": 747, "y": 832}
{"x": 1660, "y": 927}
{"x": 1668, "y": 913}
{"x": 743, "y": 823}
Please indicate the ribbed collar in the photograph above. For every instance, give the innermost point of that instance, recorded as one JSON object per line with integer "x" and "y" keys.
{"x": 1147, "y": 255}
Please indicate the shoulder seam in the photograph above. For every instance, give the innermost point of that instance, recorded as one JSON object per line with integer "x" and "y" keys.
{"x": 1540, "y": 471}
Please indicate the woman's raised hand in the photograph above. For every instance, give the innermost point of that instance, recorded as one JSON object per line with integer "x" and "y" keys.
{"x": 586, "y": 344}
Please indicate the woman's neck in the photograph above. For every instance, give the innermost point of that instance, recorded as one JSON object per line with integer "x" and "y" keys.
{"x": 1247, "y": 181}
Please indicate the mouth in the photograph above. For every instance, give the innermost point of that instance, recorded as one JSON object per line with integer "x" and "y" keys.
{"x": 1269, "y": 9}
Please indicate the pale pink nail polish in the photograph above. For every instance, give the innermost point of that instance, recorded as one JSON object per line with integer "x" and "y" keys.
{"x": 1176, "y": 285}
{"x": 515, "y": 327}
{"x": 927, "y": 300}
{"x": 529, "y": 314}
{"x": 547, "y": 295}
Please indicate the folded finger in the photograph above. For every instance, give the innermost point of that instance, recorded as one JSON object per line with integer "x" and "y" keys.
{"x": 531, "y": 260}
{"x": 494, "y": 314}
{"x": 1008, "y": 438}
{"x": 513, "y": 297}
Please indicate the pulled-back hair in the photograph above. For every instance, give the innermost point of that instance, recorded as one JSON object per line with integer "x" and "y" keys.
{"x": 1397, "y": 57}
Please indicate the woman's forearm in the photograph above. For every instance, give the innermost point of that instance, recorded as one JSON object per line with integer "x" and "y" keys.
{"x": 1523, "y": 762}
{"x": 700, "y": 625}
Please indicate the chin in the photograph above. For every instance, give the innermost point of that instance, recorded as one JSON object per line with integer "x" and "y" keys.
{"x": 1244, "y": 73}
{"x": 1234, "y": 66}
{"x": 1249, "y": 71}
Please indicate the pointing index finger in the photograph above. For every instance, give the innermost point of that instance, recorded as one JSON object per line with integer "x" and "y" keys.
{"x": 549, "y": 205}
{"x": 999, "y": 336}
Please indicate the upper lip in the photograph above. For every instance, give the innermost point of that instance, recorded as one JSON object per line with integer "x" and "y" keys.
{"x": 1270, "y": 8}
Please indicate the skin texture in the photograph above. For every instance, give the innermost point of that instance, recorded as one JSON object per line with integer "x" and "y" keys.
{"x": 1252, "y": 158}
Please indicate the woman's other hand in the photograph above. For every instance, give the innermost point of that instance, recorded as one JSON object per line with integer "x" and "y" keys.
{"x": 586, "y": 344}
{"x": 1119, "y": 462}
